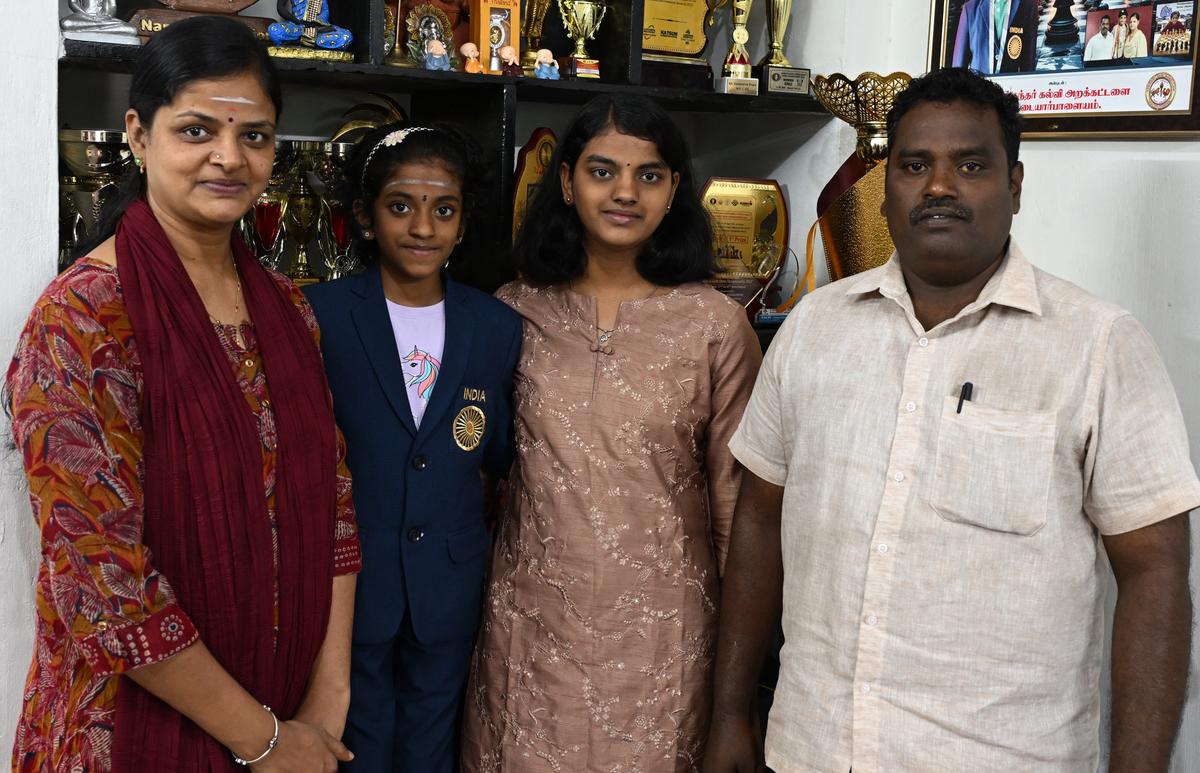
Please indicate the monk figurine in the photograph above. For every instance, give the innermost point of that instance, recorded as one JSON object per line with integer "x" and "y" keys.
{"x": 436, "y": 57}
{"x": 95, "y": 18}
{"x": 546, "y": 68}
{"x": 297, "y": 15}
{"x": 470, "y": 55}
{"x": 508, "y": 62}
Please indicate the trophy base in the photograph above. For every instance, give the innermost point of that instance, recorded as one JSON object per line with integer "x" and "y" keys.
{"x": 303, "y": 52}
{"x": 783, "y": 81}
{"x": 746, "y": 86}
{"x": 577, "y": 67}
{"x": 151, "y": 21}
{"x": 677, "y": 73}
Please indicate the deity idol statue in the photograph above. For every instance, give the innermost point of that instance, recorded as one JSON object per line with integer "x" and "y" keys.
{"x": 299, "y": 15}
{"x": 95, "y": 19}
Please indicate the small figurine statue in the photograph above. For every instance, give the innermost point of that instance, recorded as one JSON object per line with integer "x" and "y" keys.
{"x": 436, "y": 57}
{"x": 546, "y": 68}
{"x": 508, "y": 62}
{"x": 470, "y": 55}
{"x": 95, "y": 20}
{"x": 297, "y": 15}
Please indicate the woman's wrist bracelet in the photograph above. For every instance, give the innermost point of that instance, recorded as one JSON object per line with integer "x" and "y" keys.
{"x": 270, "y": 744}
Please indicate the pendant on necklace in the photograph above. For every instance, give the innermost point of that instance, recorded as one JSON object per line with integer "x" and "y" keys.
{"x": 604, "y": 336}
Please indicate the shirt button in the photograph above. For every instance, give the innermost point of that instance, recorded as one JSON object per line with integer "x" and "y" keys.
{"x": 923, "y": 342}
{"x": 910, "y": 406}
{"x": 415, "y": 535}
{"x": 420, "y": 462}
{"x": 883, "y": 548}
{"x": 898, "y": 477}
{"x": 866, "y": 689}
{"x": 871, "y": 620}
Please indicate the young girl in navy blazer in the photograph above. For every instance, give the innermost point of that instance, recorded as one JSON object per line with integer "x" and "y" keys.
{"x": 421, "y": 372}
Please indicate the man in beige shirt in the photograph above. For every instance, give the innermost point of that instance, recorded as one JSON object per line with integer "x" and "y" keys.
{"x": 940, "y": 454}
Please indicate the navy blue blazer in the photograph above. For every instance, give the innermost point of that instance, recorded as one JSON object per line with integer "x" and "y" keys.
{"x": 417, "y": 493}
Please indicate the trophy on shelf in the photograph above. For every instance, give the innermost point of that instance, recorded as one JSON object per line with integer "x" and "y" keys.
{"x": 333, "y": 226}
{"x": 262, "y": 227}
{"x": 775, "y": 73}
{"x": 852, "y": 228}
{"x": 581, "y": 19}
{"x": 95, "y": 21}
{"x": 535, "y": 19}
{"x": 496, "y": 25}
{"x": 93, "y": 162}
{"x": 674, "y": 43}
{"x": 737, "y": 73}
{"x": 151, "y": 21}
{"x": 302, "y": 211}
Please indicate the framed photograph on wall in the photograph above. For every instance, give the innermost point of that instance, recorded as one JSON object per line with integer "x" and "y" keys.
{"x": 1113, "y": 68}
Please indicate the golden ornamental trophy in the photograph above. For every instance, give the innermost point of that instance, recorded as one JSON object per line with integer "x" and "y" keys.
{"x": 535, "y": 19}
{"x": 93, "y": 162}
{"x": 775, "y": 73}
{"x": 675, "y": 43}
{"x": 581, "y": 19}
{"x": 853, "y": 230}
{"x": 737, "y": 73}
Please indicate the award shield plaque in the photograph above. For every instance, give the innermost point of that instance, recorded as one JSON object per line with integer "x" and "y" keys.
{"x": 750, "y": 234}
{"x": 775, "y": 73}
{"x": 674, "y": 43}
{"x": 532, "y": 161}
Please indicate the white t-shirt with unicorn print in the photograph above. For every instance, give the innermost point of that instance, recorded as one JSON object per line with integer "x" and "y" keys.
{"x": 420, "y": 333}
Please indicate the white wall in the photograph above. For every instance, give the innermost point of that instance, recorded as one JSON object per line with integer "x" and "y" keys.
{"x": 29, "y": 222}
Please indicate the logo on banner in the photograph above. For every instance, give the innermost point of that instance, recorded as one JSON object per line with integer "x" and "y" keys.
{"x": 1014, "y": 47}
{"x": 1160, "y": 91}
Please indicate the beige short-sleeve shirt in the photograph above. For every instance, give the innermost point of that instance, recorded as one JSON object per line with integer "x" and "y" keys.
{"x": 942, "y": 569}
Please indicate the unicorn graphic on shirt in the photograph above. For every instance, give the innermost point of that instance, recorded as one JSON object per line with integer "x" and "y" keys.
{"x": 422, "y": 371}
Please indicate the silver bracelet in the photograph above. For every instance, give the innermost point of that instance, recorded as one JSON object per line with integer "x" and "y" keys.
{"x": 270, "y": 745}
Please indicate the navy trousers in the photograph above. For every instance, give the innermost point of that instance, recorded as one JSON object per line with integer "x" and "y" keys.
{"x": 406, "y": 705}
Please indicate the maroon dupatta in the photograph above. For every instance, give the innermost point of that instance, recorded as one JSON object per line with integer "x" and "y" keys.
{"x": 206, "y": 520}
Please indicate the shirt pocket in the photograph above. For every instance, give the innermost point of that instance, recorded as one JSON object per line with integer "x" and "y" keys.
{"x": 993, "y": 467}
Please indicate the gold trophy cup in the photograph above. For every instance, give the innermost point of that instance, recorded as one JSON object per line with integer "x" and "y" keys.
{"x": 582, "y": 19}
{"x": 738, "y": 76}
{"x": 535, "y": 18}
{"x": 853, "y": 230}
{"x": 775, "y": 73}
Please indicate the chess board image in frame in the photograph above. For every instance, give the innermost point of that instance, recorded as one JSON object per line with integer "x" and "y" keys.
{"x": 1079, "y": 70}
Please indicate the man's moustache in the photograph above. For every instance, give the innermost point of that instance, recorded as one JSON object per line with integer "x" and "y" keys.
{"x": 948, "y": 205}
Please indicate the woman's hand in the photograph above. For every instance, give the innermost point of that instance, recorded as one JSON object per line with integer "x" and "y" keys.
{"x": 326, "y": 711}
{"x": 303, "y": 748}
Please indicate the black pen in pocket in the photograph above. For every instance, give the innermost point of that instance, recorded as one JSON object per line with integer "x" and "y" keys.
{"x": 964, "y": 394}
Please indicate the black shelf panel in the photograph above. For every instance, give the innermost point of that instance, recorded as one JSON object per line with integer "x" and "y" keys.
{"x": 374, "y": 77}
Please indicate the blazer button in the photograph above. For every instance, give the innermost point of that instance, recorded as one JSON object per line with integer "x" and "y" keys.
{"x": 420, "y": 462}
{"x": 415, "y": 535}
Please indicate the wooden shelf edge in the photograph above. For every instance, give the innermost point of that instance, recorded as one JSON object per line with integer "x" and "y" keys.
{"x": 111, "y": 57}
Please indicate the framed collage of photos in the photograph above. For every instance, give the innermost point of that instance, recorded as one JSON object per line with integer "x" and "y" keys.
{"x": 1113, "y": 68}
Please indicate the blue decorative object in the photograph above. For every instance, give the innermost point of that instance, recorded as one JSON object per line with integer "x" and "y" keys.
{"x": 297, "y": 16}
{"x": 546, "y": 72}
{"x": 436, "y": 57}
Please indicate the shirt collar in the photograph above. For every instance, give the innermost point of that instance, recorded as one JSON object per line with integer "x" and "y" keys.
{"x": 1014, "y": 284}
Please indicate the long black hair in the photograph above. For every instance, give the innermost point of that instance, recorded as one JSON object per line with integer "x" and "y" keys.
{"x": 549, "y": 248}
{"x": 372, "y": 163}
{"x": 197, "y": 48}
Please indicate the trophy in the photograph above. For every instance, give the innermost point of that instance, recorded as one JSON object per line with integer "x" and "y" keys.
{"x": 750, "y": 235}
{"x": 262, "y": 227}
{"x": 582, "y": 19}
{"x": 535, "y": 18}
{"x": 334, "y": 227}
{"x": 301, "y": 217}
{"x": 94, "y": 162}
{"x": 674, "y": 43}
{"x": 853, "y": 230}
{"x": 496, "y": 25}
{"x": 775, "y": 73}
{"x": 738, "y": 75}
{"x": 93, "y": 20}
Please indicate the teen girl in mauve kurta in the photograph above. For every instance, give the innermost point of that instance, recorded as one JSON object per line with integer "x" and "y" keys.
{"x": 599, "y": 629}
{"x": 196, "y": 584}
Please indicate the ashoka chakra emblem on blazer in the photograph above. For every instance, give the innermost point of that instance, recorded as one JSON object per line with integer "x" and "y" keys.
{"x": 468, "y": 427}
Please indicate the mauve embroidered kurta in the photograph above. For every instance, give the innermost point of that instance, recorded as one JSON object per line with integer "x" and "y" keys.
{"x": 599, "y": 629}
{"x": 102, "y": 608}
